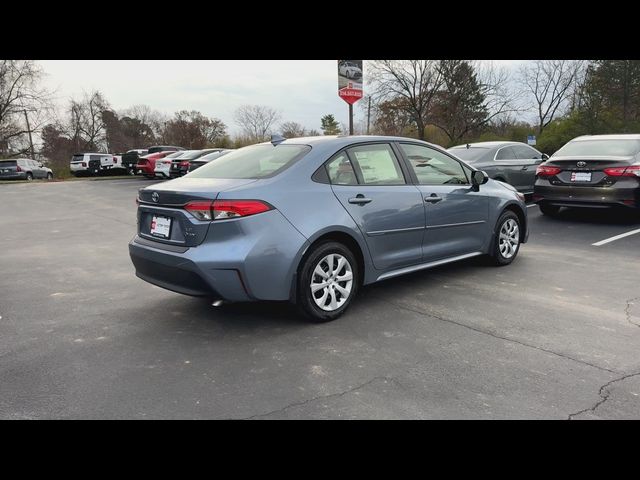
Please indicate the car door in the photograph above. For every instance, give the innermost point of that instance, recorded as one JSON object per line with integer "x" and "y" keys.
{"x": 530, "y": 159}
{"x": 510, "y": 167}
{"x": 456, "y": 212}
{"x": 369, "y": 182}
{"x": 38, "y": 171}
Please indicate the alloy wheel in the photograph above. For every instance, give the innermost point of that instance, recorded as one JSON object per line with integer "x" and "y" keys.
{"x": 331, "y": 282}
{"x": 509, "y": 238}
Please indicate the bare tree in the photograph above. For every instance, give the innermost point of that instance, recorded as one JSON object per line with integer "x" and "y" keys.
{"x": 292, "y": 130}
{"x": 412, "y": 85}
{"x": 550, "y": 84}
{"x": 24, "y": 103}
{"x": 256, "y": 121}
{"x": 87, "y": 127}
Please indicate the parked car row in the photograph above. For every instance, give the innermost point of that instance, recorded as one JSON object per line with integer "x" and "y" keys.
{"x": 177, "y": 164}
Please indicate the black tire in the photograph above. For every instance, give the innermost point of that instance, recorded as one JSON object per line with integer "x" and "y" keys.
{"x": 497, "y": 255}
{"x": 29, "y": 176}
{"x": 550, "y": 210}
{"x": 305, "y": 298}
{"x": 49, "y": 176}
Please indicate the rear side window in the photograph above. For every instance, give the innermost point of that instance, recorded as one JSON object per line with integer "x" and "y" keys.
{"x": 525, "y": 152}
{"x": 377, "y": 164}
{"x": 94, "y": 157}
{"x": 506, "y": 153}
{"x": 77, "y": 158}
{"x": 341, "y": 171}
{"x": 256, "y": 161}
{"x": 7, "y": 163}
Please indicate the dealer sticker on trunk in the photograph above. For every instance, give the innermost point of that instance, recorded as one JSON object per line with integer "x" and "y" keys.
{"x": 160, "y": 226}
{"x": 580, "y": 176}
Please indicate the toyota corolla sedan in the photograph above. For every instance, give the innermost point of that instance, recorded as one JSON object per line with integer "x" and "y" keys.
{"x": 593, "y": 171}
{"x": 311, "y": 220}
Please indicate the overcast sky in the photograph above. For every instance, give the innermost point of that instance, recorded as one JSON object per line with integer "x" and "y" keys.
{"x": 302, "y": 90}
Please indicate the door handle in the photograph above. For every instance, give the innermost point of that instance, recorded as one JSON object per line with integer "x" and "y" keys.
{"x": 433, "y": 198}
{"x": 524, "y": 168}
{"x": 360, "y": 200}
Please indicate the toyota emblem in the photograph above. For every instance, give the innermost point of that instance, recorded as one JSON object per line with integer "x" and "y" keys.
{"x": 155, "y": 197}
{"x": 581, "y": 164}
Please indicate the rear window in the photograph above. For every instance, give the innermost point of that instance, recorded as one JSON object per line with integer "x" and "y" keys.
{"x": 471, "y": 154}
{"x": 77, "y": 158}
{"x": 7, "y": 163}
{"x": 623, "y": 148}
{"x": 256, "y": 161}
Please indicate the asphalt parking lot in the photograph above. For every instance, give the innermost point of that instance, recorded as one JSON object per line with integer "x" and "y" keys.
{"x": 554, "y": 335}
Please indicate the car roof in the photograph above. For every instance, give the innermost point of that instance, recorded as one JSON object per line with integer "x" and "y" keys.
{"x": 620, "y": 136}
{"x": 488, "y": 144}
{"x": 91, "y": 153}
{"x": 343, "y": 140}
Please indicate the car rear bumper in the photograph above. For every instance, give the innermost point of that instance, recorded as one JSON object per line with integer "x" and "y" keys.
{"x": 253, "y": 258}
{"x": 146, "y": 169}
{"x": 589, "y": 197}
{"x": 13, "y": 176}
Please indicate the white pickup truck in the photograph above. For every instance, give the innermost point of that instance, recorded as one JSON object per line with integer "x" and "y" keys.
{"x": 92, "y": 163}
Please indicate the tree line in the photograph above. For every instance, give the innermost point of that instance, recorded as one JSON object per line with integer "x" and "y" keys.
{"x": 446, "y": 102}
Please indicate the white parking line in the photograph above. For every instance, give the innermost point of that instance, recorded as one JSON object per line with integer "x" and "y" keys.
{"x": 617, "y": 237}
{"x": 532, "y": 205}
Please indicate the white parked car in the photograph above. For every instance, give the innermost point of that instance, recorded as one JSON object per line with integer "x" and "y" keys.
{"x": 91, "y": 163}
{"x": 163, "y": 165}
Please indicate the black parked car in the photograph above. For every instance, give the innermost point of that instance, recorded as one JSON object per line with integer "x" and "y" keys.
{"x": 595, "y": 171}
{"x": 180, "y": 165}
{"x": 198, "y": 162}
{"x": 510, "y": 162}
{"x": 23, "y": 169}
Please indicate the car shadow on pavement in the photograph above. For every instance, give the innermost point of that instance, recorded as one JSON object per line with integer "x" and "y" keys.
{"x": 602, "y": 216}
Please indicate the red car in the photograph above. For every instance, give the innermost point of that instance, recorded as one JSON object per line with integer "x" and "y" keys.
{"x": 147, "y": 164}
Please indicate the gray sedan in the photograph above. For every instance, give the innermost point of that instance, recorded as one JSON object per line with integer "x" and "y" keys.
{"x": 311, "y": 220}
{"x": 510, "y": 162}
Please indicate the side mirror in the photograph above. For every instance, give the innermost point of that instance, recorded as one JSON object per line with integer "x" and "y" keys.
{"x": 40, "y": 165}
{"x": 544, "y": 157}
{"x": 478, "y": 177}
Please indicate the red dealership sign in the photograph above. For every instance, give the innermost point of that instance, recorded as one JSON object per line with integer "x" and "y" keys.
{"x": 350, "y": 80}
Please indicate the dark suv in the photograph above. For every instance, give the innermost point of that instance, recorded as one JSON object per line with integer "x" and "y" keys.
{"x": 23, "y": 169}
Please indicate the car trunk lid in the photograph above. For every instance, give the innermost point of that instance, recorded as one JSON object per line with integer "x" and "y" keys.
{"x": 161, "y": 213}
{"x": 587, "y": 171}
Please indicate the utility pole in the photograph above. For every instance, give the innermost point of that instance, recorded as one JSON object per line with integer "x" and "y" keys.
{"x": 33, "y": 157}
{"x": 350, "y": 119}
{"x": 368, "y": 115}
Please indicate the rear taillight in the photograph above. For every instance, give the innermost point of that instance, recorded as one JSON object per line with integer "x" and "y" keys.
{"x": 84, "y": 164}
{"x": 18, "y": 169}
{"x": 184, "y": 164}
{"x": 547, "y": 171}
{"x": 631, "y": 171}
{"x": 221, "y": 209}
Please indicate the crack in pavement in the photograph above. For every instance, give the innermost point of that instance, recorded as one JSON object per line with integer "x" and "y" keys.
{"x": 479, "y": 330}
{"x": 604, "y": 395}
{"x": 627, "y": 310}
{"x": 322, "y": 397}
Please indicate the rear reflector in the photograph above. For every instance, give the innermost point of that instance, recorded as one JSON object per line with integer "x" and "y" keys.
{"x": 18, "y": 169}
{"x": 547, "y": 171}
{"x": 631, "y": 171}
{"x": 222, "y": 209}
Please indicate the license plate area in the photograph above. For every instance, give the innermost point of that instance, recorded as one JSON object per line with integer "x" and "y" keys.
{"x": 160, "y": 226}
{"x": 580, "y": 176}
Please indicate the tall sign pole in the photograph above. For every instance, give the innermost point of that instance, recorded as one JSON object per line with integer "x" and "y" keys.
{"x": 350, "y": 84}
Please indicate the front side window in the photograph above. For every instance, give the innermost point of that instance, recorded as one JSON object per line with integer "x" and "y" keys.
{"x": 433, "y": 167}
{"x": 378, "y": 164}
{"x": 256, "y": 161}
{"x": 341, "y": 171}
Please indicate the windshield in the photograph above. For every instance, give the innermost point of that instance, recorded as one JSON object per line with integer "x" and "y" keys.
{"x": 256, "y": 161}
{"x": 469, "y": 155}
{"x": 622, "y": 148}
